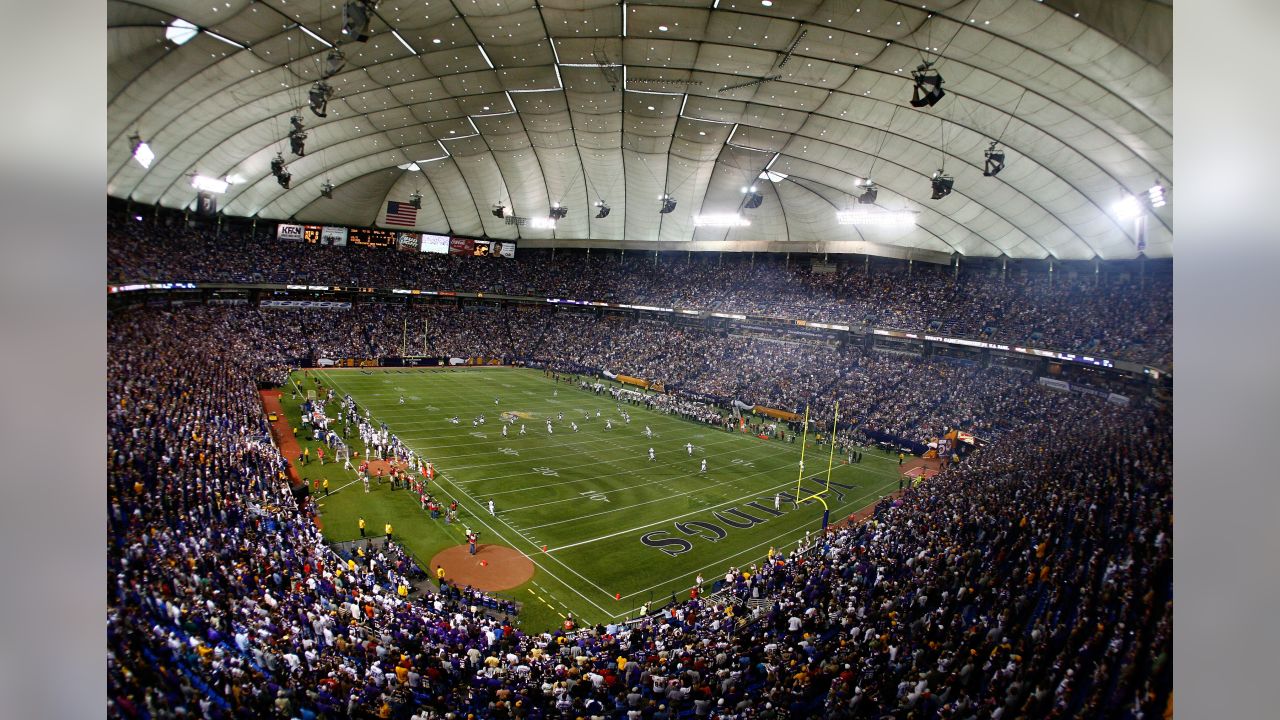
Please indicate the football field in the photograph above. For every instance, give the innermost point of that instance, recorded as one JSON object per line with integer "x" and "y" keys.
{"x": 619, "y": 528}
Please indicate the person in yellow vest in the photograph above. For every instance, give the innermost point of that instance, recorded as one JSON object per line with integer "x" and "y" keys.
{"x": 361, "y": 521}
{"x": 440, "y": 574}
{"x": 325, "y": 485}
{"x": 901, "y": 458}
{"x": 388, "y": 529}
{"x": 772, "y": 552}
{"x": 306, "y": 455}
{"x": 402, "y": 591}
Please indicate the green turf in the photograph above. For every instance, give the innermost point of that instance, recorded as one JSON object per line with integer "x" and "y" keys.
{"x": 588, "y": 496}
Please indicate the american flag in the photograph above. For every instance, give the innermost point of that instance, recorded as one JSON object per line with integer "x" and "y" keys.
{"x": 399, "y": 213}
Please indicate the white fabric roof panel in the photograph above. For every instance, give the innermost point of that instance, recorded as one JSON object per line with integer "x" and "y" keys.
{"x": 1082, "y": 106}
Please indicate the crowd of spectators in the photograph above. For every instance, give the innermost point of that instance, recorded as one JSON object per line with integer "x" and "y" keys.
{"x": 1111, "y": 314}
{"x": 1033, "y": 580}
{"x": 907, "y": 397}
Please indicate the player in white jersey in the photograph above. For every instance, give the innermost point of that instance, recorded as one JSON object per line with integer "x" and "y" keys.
{"x": 401, "y": 399}
{"x": 647, "y": 432}
{"x": 608, "y": 424}
{"x": 549, "y": 430}
{"x": 521, "y": 428}
{"x": 704, "y": 465}
{"x": 574, "y": 425}
{"x": 651, "y": 455}
{"x": 504, "y": 431}
{"x": 689, "y": 447}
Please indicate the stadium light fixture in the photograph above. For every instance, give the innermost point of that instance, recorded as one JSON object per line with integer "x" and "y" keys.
{"x": 928, "y": 89}
{"x": 603, "y": 211}
{"x": 333, "y": 63}
{"x": 141, "y": 150}
{"x": 326, "y": 190}
{"x": 318, "y": 98}
{"x": 1127, "y": 208}
{"x": 416, "y": 200}
{"x": 557, "y": 211}
{"x": 883, "y": 218}
{"x": 355, "y": 19}
{"x": 995, "y": 160}
{"x": 753, "y": 198}
{"x": 720, "y": 220}
{"x": 297, "y": 136}
{"x": 208, "y": 184}
{"x": 942, "y": 185}
{"x": 180, "y": 31}
{"x": 668, "y": 204}
{"x": 868, "y": 197}
{"x": 1155, "y": 195}
{"x": 499, "y": 210}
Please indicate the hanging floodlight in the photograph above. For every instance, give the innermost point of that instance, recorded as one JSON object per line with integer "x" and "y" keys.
{"x": 869, "y": 197}
{"x": 603, "y": 211}
{"x": 1155, "y": 195}
{"x": 942, "y": 184}
{"x": 141, "y": 150}
{"x": 326, "y": 190}
{"x": 416, "y": 200}
{"x": 319, "y": 96}
{"x": 355, "y": 19}
{"x": 995, "y": 160}
{"x": 753, "y": 198}
{"x": 557, "y": 211}
{"x": 333, "y": 63}
{"x": 277, "y": 168}
{"x": 499, "y": 210}
{"x": 297, "y": 136}
{"x": 928, "y": 90}
{"x": 668, "y": 204}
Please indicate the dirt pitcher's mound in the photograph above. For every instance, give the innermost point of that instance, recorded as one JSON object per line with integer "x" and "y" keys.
{"x": 503, "y": 567}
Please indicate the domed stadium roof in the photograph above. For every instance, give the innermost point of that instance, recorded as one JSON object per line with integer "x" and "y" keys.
{"x": 526, "y": 103}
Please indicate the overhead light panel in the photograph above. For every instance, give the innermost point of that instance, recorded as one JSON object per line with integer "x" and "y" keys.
{"x": 321, "y": 40}
{"x": 928, "y": 89}
{"x": 208, "y": 184}
{"x": 404, "y": 42}
{"x": 720, "y": 220}
{"x": 226, "y": 40}
{"x": 868, "y": 216}
{"x": 542, "y": 223}
{"x": 995, "y": 160}
{"x": 141, "y": 150}
{"x": 180, "y": 31}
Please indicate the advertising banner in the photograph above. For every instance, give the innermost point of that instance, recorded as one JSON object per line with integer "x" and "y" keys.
{"x": 462, "y": 246}
{"x": 285, "y": 231}
{"x": 434, "y": 244}
{"x": 1055, "y": 384}
{"x": 407, "y": 242}
{"x": 331, "y": 235}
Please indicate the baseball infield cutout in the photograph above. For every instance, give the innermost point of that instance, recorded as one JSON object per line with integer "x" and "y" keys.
{"x": 491, "y": 569}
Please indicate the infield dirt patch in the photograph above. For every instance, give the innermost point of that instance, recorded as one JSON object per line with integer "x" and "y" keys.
{"x": 492, "y": 568}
